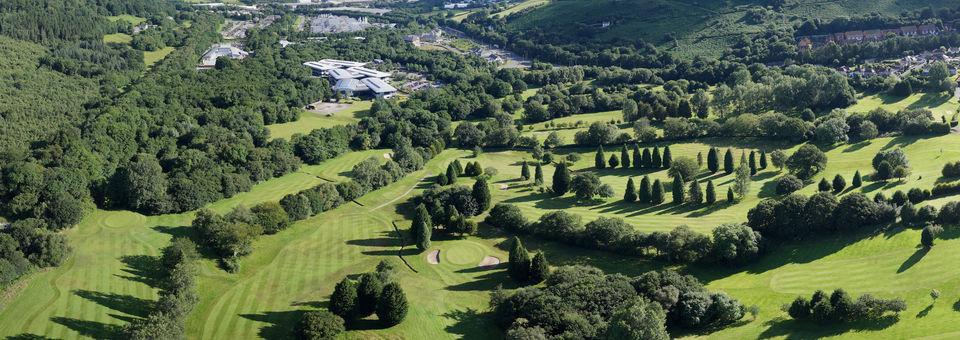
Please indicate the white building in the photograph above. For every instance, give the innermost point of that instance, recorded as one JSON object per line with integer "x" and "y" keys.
{"x": 209, "y": 59}
{"x": 379, "y": 87}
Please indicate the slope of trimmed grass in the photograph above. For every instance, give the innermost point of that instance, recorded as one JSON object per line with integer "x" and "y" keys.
{"x": 118, "y": 38}
{"x": 152, "y": 57}
{"x": 310, "y": 121}
{"x": 939, "y": 104}
{"x": 132, "y": 19}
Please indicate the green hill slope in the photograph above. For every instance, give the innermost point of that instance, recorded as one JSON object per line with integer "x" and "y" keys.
{"x": 689, "y": 27}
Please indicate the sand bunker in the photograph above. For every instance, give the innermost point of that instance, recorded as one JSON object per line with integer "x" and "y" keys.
{"x": 504, "y": 187}
{"x": 386, "y": 155}
{"x": 489, "y": 262}
{"x": 434, "y": 257}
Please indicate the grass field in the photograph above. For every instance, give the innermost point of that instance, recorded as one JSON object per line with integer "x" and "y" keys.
{"x": 119, "y": 38}
{"x": 310, "y": 121}
{"x": 152, "y": 57}
{"x": 940, "y": 105}
{"x": 526, "y": 4}
{"x": 132, "y": 19}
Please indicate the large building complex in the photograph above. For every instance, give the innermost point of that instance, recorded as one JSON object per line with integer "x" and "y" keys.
{"x": 351, "y": 78}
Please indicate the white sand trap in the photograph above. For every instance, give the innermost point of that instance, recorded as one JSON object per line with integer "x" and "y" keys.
{"x": 386, "y": 155}
{"x": 504, "y": 187}
{"x": 434, "y": 257}
{"x": 488, "y": 262}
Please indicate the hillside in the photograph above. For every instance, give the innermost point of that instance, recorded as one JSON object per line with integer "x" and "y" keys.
{"x": 698, "y": 27}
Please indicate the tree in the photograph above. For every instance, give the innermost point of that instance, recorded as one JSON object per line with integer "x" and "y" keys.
{"x": 624, "y": 157}
{"x": 713, "y": 161}
{"x": 735, "y": 243}
{"x": 711, "y": 192}
{"x": 787, "y": 184}
{"x": 728, "y": 162}
{"x": 657, "y": 161}
{"x": 525, "y": 171}
{"x": 481, "y": 193}
{"x": 519, "y": 265}
{"x": 320, "y": 325}
{"x": 422, "y": 227}
{"x": 678, "y": 190}
{"x": 839, "y": 183}
{"x": 807, "y": 161}
{"x": 928, "y": 234}
{"x": 696, "y": 195}
{"x": 585, "y": 186}
{"x": 638, "y": 319}
{"x": 452, "y": 174}
{"x": 600, "y": 162}
{"x": 538, "y": 174}
{"x": 730, "y": 197}
{"x": 684, "y": 167}
{"x": 824, "y": 186}
{"x": 667, "y": 158}
{"x": 141, "y": 185}
{"x": 561, "y": 179}
{"x": 539, "y": 269}
{"x": 614, "y": 161}
{"x": 368, "y": 294}
{"x": 832, "y": 131}
{"x": 753, "y": 163}
{"x": 629, "y": 110}
{"x": 741, "y": 184}
{"x": 630, "y": 194}
{"x": 657, "y": 196}
{"x": 645, "y": 193}
{"x": 392, "y": 306}
{"x": 857, "y": 180}
{"x": 647, "y": 159}
{"x": 779, "y": 159}
{"x": 344, "y": 299}
{"x": 763, "y": 159}
{"x": 637, "y": 159}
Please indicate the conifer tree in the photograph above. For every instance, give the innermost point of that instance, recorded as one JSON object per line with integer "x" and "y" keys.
{"x": 753, "y": 163}
{"x": 343, "y": 300}
{"x": 637, "y": 159}
{"x": 539, "y": 268}
{"x": 667, "y": 157}
{"x": 711, "y": 193}
{"x": 728, "y": 162}
{"x": 368, "y": 293}
{"x": 422, "y": 227}
{"x": 857, "y": 181}
{"x": 763, "y": 160}
{"x": 599, "y": 161}
{"x": 561, "y": 179}
{"x": 519, "y": 265}
{"x": 538, "y": 174}
{"x": 824, "y": 185}
{"x": 695, "y": 193}
{"x": 839, "y": 183}
{"x": 624, "y": 157}
{"x": 730, "y": 197}
{"x": 678, "y": 190}
{"x": 713, "y": 161}
{"x": 657, "y": 196}
{"x": 646, "y": 191}
{"x": 525, "y": 171}
{"x": 647, "y": 159}
{"x": 614, "y": 161}
{"x": 392, "y": 306}
{"x": 481, "y": 194}
{"x": 657, "y": 160}
{"x": 630, "y": 194}
{"x": 452, "y": 174}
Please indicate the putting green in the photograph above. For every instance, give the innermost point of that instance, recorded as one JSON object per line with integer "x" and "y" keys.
{"x": 121, "y": 219}
{"x": 463, "y": 253}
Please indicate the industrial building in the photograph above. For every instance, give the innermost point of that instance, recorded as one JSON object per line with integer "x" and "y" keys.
{"x": 351, "y": 78}
{"x": 209, "y": 59}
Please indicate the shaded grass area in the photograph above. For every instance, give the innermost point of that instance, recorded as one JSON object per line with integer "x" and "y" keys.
{"x": 152, "y": 57}
{"x": 310, "y": 121}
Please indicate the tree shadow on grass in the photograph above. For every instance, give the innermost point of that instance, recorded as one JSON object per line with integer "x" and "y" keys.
{"x": 923, "y": 313}
{"x": 93, "y": 329}
{"x": 470, "y": 324}
{"x": 281, "y": 324}
{"x": 793, "y": 329}
{"x": 27, "y": 336}
{"x": 122, "y": 303}
{"x": 484, "y": 282}
{"x": 913, "y": 259}
{"x": 143, "y": 269}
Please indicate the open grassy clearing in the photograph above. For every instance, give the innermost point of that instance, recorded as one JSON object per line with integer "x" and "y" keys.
{"x": 310, "y": 121}
{"x": 152, "y": 57}
{"x": 132, "y": 19}
{"x": 119, "y": 38}
{"x": 939, "y": 104}
{"x": 526, "y": 4}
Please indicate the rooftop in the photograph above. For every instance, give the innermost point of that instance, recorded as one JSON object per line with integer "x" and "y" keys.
{"x": 377, "y": 85}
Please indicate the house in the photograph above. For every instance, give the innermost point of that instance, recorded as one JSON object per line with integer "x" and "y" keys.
{"x": 853, "y": 36}
{"x": 413, "y": 39}
{"x": 928, "y": 30}
{"x": 433, "y": 36}
{"x": 908, "y": 31}
{"x": 805, "y": 44}
{"x": 209, "y": 59}
{"x": 872, "y": 35}
{"x": 379, "y": 87}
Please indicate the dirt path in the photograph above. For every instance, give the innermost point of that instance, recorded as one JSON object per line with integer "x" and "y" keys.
{"x": 404, "y": 194}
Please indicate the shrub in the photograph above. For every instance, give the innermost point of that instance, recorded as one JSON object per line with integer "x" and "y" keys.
{"x": 788, "y": 183}
{"x": 321, "y": 324}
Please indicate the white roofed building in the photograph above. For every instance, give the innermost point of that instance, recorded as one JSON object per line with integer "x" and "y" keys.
{"x": 341, "y": 74}
{"x": 350, "y": 87}
{"x": 366, "y": 72}
{"x": 379, "y": 87}
{"x": 209, "y": 59}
